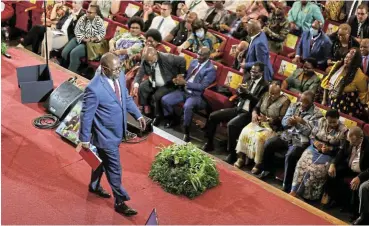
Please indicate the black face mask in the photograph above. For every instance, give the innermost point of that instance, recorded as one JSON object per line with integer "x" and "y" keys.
{"x": 309, "y": 72}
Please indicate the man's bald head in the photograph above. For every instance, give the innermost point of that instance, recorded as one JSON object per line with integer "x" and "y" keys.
{"x": 110, "y": 64}
{"x": 253, "y": 27}
{"x": 355, "y": 135}
{"x": 274, "y": 91}
{"x": 150, "y": 55}
{"x": 204, "y": 54}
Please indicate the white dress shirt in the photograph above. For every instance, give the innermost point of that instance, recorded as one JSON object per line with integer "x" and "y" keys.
{"x": 165, "y": 28}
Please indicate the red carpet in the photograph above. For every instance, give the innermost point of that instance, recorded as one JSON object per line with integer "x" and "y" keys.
{"x": 44, "y": 181}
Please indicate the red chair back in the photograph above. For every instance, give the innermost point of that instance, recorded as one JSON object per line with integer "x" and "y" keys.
{"x": 290, "y": 44}
{"x": 227, "y": 58}
{"x": 169, "y": 47}
{"x": 218, "y": 67}
{"x": 366, "y": 129}
{"x": 283, "y": 67}
{"x": 187, "y": 55}
{"x": 111, "y": 27}
{"x": 330, "y": 27}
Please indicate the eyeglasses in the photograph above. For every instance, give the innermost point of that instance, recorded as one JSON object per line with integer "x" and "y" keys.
{"x": 116, "y": 70}
{"x": 163, "y": 9}
{"x": 89, "y": 12}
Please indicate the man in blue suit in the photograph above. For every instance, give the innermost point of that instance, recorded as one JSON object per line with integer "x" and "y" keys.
{"x": 104, "y": 124}
{"x": 316, "y": 44}
{"x": 200, "y": 75}
{"x": 258, "y": 49}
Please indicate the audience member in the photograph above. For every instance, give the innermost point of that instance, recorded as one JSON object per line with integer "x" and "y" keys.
{"x": 128, "y": 44}
{"x": 164, "y": 23}
{"x": 346, "y": 86}
{"x": 302, "y": 15}
{"x": 240, "y": 56}
{"x": 293, "y": 140}
{"x": 200, "y": 37}
{"x": 314, "y": 43}
{"x": 256, "y": 9}
{"x": 249, "y": 93}
{"x": 258, "y": 49}
{"x": 312, "y": 168}
{"x": 107, "y": 7}
{"x": 303, "y": 79}
{"x": 89, "y": 28}
{"x": 161, "y": 69}
{"x": 266, "y": 122}
{"x": 182, "y": 31}
{"x": 352, "y": 161}
{"x": 276, "y": 30}
{"x": 198, "y": 6}
{"x": 364, "y": 50}
{"x": 153, "y": 39}
{"x": 363, "y": 219}
{"x": 199, "y": 76}
{"x": 334, "y": 10}
{"x": 217, "y": 15}
{"x": 147, "y": 14}
{"x": 360, "y": 23}
{"x": 263, "y": 20}
{"x": 236, "y": 26}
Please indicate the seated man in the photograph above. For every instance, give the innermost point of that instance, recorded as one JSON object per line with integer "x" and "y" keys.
{"x": 314, "y": 43}
{"x": 363, "y": 219}
{"x": 164, "y": 23}
{"x": 161, "y": 69}
{"x": 200, "y": 75}
{"x": 217, "y": 15}
{"x": 182, "y": 31}
{"x": 294, "y": 139}
{"x": 352, "y": 161}
{"x": 239, "y": 116}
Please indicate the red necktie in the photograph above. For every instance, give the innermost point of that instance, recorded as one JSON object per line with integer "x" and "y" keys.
{"x": 365, "y": 64}
{"x": 117, "y": 92}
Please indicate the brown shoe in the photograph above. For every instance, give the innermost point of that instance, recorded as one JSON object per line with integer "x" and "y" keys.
{"x": 239, "y": 163}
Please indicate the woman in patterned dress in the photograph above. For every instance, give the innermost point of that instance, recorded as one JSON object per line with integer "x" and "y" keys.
{"x": 266, "y": 121}
{"x": 312, "y": 168}
{"x": 346, "y": 86}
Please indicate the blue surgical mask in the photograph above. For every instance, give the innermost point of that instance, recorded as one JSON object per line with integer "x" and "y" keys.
{"x": 314, "y": 32}
{"x": 200, "y": 33}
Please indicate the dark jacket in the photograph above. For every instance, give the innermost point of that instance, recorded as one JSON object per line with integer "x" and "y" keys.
{"x": 344, "y": 154}
{"x": 170, "y": 66}
{"x": 254, "y": 97}
{"x": 355, "y": 25}
{"x": 148, "y": 22}
{"x": 72, "y": 25}
{"x": 336, "y": 55}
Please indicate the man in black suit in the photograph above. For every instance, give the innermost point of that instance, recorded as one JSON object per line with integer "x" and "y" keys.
{"x": 161, "y": 68}
{"x": 238, "y": 117}
{"x": 364, "y": 50}
{"x": 352, "y": 160}
{"x": 360, "y": 23}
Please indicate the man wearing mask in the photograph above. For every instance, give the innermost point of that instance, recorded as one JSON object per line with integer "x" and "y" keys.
{"x": 302, "y": 15}
{"x": 104, "y": 124}
{"x": 258, "y": 49}
{"x": 199, "y": 76}
{"x": 164, "y": 23}
{"x": 314, "y": 43}
{"x": 161, "y": 68}
{"x": 360, "y": 23}
{"x": 182, "y": 31}
{"x": 364, "y": 50}
{"x": 352, "y": 160}
{"x": 294, "y": 139}
{"x": 249, "y": 93}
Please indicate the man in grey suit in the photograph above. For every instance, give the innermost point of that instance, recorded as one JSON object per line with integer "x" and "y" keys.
{"x": 161, "y": 69}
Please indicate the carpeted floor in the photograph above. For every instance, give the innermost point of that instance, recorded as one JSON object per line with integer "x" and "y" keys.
{"x": 44, "y": 181}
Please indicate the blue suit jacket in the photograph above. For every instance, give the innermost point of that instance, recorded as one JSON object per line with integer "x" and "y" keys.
{"x": 103, "y": 117}
{"x": 320, "y": 51}
{"x": 259, "y": 51}
{"x": 204, "y": 77}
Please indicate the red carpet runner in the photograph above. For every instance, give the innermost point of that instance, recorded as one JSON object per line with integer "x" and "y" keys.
{"x": 44, "y": 181}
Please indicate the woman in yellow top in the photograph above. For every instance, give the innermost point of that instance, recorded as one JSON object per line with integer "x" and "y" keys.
{"x": 346, "y": 86}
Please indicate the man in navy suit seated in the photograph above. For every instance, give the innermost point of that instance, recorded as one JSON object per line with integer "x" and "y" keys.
{"x": 104, "y": 124}
{"x": 258, "y": 49}
{"x": 314, "y": 43}
{"x": 200, "y": 75}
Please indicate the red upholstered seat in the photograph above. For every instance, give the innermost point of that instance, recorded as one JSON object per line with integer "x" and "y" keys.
{"x": 366, "y": 129}
{"x": 22, "y": 12}
{"x": 8, "y": 12}
{"x": 280, "y": 68}
{"x": 227, "y": 58}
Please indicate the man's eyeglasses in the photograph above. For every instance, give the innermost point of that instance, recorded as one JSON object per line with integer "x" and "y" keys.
{"x": 89, "y": 12}
{"x": 116, "y": 70}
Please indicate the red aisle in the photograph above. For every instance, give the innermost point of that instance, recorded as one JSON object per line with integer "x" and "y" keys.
{"x": 44, "y": 181}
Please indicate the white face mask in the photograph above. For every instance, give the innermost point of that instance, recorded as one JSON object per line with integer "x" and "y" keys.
{"x": 314, "y": 32}
{"x": 200, "y": 33}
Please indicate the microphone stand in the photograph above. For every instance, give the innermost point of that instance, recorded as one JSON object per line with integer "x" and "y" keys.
{"x": 46, "y": 44}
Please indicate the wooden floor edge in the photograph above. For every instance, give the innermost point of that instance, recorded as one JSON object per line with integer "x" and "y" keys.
{"x": 264, "y": 185}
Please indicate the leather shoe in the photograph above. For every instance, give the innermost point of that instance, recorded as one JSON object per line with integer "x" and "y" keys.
{"x": 124, "y": 209}
{"x": 361, "y": 221}
{"x": 231, "y": 158}
{"x": 186, "y": 138}
{"x": 263, "y": 175}
{"x": 156, "y": 121}
{"x": 100, "y": 192}
{"x": 208, "y": 147}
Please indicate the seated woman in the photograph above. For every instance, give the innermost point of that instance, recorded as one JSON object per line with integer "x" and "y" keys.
{"x": 240, "y": 55}
{"x": 36, "y": 34}
{"x": 57, "y": 38}
{"x": 107, "y": 7}
{"x": 199, "y": 38}
{"x": 266, "y": 122}
{"x": 346, "y": 86}
{"x": 89, "y": 28}
{"x": 312, "y": 168}
{"x": 153, "y": 39}
{"x": 128, "y": 44}
{"x": 303, "y": 79}
{"x": 276, "y": 31}
{"x": 147, "y": 14}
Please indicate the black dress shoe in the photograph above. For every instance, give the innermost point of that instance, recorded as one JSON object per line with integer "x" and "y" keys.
{"x": 156, "y": 121}
{"x": 186, "y": 138}
{"x": 208, "y": 147}
{"x": 263, "y": 175}
{"x": 231, "y": 158}
{"x": 100, "y": 192}
{"x": 361, "y": 221}
{"x": 124, "y": 209}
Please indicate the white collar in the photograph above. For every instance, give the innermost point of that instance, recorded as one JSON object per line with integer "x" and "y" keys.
{"x": 252, "y": 37}
{"x": 312, "y": 37}
{"x": 257, "y": 80}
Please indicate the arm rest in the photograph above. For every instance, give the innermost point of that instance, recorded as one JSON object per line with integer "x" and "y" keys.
{"x": 234, "y": 97}
{"x": 212, "y": 85}
{"x": 30, "y": 8}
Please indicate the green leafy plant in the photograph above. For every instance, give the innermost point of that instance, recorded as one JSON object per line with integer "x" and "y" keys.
{"x": 184, "y": 170}
{"x": 4, "y": 47}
